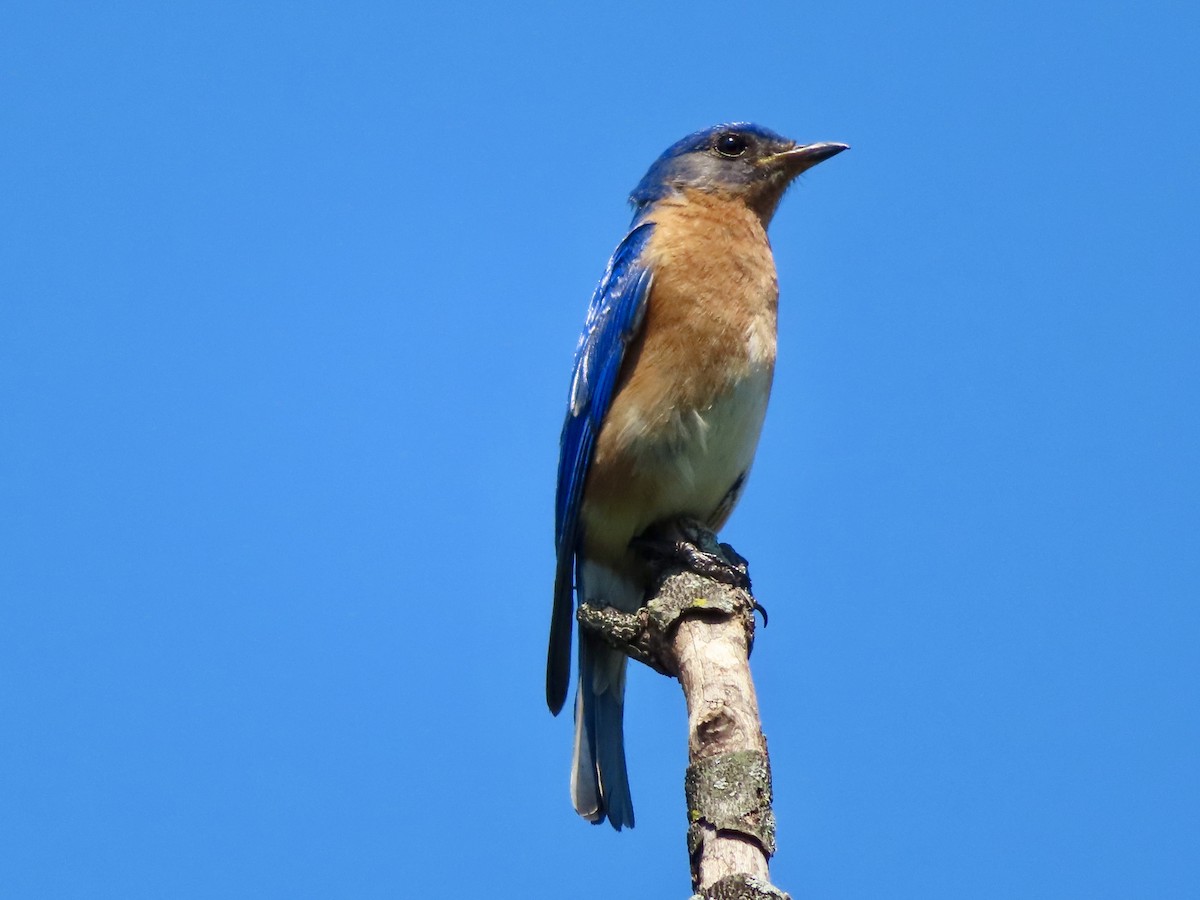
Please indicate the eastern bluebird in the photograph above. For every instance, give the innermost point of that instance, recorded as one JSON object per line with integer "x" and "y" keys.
{"x": 669, "y": 389}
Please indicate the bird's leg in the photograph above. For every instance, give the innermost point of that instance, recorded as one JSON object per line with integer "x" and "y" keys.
{"x": 690, "y": 545}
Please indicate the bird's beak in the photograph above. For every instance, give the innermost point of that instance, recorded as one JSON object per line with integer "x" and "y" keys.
{"x": 799, "y": 159}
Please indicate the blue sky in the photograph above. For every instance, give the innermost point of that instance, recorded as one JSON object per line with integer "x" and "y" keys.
{"x": 288, "y": 296}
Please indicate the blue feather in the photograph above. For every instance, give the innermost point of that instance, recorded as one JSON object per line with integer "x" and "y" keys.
{"x": 614, "y": 317}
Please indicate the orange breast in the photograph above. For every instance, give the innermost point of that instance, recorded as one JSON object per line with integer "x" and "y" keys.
{"x": 686, "y": 415}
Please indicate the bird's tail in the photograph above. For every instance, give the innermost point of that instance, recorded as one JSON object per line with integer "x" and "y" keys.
{"x": 599, "y": 781}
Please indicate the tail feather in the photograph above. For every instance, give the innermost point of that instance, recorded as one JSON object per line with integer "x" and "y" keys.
{"x": 599, "y": 780}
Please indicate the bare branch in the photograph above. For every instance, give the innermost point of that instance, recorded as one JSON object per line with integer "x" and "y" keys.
{"x": 699, "y": 628}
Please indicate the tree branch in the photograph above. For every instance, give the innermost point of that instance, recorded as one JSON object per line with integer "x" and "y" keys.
{"x": 698, "y": 627}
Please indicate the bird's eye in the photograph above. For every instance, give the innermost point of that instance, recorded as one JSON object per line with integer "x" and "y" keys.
{"x": 731, "y": 144}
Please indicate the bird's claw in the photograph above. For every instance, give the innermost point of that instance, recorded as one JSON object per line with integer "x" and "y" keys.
{"x": 690, "y": 545}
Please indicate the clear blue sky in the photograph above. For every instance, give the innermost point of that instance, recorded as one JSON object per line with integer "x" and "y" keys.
{"x": 288, "y": 296}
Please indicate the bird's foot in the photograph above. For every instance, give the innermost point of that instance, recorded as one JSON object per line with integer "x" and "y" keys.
{"x": 692, "y": 574}
{"x": 689, "y": 545}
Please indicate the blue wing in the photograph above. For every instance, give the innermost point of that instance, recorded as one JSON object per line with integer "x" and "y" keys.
{"x": 614, "y": 316}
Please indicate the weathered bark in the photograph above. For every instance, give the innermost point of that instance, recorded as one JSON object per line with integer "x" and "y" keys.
{"x": 699, "y": 627}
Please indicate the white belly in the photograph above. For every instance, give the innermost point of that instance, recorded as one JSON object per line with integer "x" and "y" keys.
{"x": 687, "y": 469}
{"x": 705, "y": 451}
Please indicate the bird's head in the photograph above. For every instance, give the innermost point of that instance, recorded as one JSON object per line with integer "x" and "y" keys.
{"x": 740, "y": 160}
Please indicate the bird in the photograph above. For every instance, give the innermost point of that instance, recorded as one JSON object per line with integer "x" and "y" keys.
{"x": 667, "y": 397}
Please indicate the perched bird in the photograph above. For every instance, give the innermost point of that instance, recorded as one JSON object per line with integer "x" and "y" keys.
{"x": 669, "y": 389}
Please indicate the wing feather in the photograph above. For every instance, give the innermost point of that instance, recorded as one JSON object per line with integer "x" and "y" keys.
{"x": 614, "y": 316}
